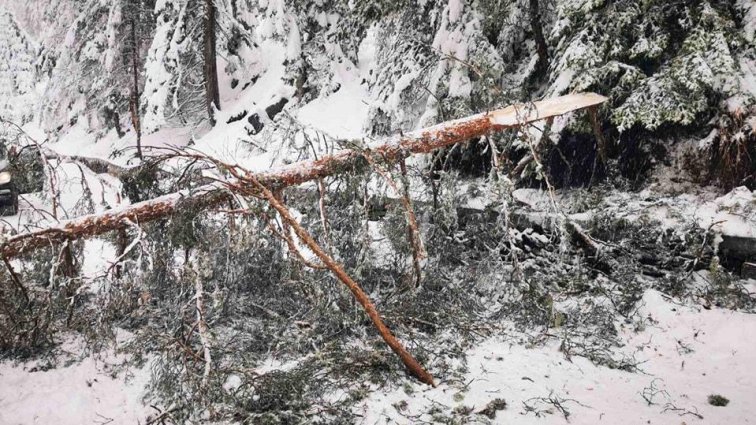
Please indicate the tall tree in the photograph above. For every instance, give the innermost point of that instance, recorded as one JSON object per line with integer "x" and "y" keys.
{"x": 212, "y": 95}
{"x": 134, "y": 9}
{"x": 536, "y": 25}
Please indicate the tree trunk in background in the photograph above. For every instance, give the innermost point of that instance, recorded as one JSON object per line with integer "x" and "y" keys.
{"x": 541, "y": 48}
{"x": 121, "y": 242}
{"x": 211, "y": 70}
{"x": 134, "y": 102}
{"x": 67, "y": 265}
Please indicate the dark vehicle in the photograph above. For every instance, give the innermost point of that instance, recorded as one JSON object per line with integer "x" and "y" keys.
{"x": 8, "y": 190}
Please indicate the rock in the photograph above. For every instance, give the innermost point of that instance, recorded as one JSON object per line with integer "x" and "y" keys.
{"x": 748, "y": 270}
{"x": 271, "y": 111}
{"x": 257, "y": 126}
{"x": 736, "y": 251}
{"x": 276, "y": 108}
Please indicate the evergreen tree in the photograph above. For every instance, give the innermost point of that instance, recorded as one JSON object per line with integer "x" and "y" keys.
{"x": 211, "y": 70}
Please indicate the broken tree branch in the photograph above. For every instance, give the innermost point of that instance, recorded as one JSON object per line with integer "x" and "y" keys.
{"x": 418, "y": 249}
{"x": 286, "y": 237}
{"x": 338, "y": 270}
{"x": 413, "y": 230}
{"x": 202, "y": 328}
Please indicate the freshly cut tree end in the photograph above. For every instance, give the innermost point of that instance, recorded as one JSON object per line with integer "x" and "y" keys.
{"x": 522, "y": 113}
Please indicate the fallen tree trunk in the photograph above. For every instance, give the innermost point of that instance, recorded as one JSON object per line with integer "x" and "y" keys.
{"x": 392, "y": 150}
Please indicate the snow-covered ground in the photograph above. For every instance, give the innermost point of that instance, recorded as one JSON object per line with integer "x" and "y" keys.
{"x": 94, "y": 390}
{"x": 686, "y": 354}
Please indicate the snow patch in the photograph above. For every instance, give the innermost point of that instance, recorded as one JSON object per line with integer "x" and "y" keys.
{"x": 87, "y": 392}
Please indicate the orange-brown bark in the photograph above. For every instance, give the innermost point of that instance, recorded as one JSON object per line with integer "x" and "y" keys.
{"x": 338, "y": 270}
{"x": 393, "y": 150}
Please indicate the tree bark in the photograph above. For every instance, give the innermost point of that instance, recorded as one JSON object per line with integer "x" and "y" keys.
{"x": 134, "y": 103}
{"x": 536, "y": 25}
{"x": 393, "y": 150}
{"x": 211, "y": 70}
{"x": 600, "y": 140}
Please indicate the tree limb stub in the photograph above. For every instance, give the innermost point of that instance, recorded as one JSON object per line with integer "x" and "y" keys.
{"x": 391, "y": 150}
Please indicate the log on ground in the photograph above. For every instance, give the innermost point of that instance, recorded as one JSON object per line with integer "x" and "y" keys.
{"x": 390, "y": 150}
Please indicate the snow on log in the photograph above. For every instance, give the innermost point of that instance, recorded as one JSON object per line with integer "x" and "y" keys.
{"x": 390, "y": 150}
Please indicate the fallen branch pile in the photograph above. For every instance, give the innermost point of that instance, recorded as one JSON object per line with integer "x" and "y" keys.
{"x": 248, "y": 184}
{"x": 266, "y": 185}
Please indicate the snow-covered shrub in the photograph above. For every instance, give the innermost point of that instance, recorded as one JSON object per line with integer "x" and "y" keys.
{"x": 667, "y": 69}
{"x": 41, "y": 302}
{"x": 684, "y": 89}
{"x": 19, "y": 64}
{"x": 27, "y": 167}
{"x": 173, "y": 66}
